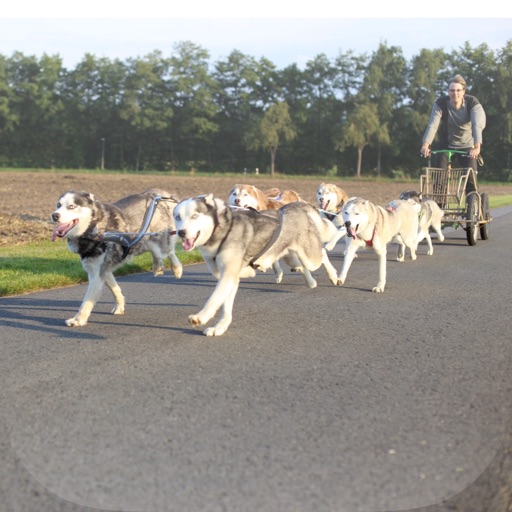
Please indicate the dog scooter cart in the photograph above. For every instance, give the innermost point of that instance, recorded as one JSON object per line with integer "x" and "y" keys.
{"x": 447, "y": 187}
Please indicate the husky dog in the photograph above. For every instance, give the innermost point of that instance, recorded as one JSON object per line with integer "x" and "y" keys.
{"x": 234, "y": 242}
{"x": 285, "y": 196}
{"x": 429, "y": 216}
{"x": 249, "y": 196}
{"x": 375, "y": 226}
{"x": 82, "y": 219}
{"x": 330, "y": 199}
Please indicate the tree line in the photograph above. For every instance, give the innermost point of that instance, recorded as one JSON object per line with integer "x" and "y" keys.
{"x": 355, "y": 114}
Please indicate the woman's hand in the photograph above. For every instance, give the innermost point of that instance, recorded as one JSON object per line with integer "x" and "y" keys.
{"x": 425, "y": 150}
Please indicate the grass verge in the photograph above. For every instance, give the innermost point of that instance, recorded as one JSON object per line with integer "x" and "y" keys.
{"x": 45, "y": 265}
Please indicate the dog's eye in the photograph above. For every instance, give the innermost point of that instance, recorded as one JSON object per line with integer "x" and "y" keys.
{"x": 177, "y": 217}
{"x": 58, "y": 205}
{"x": 194, "y": 216}
{"x": 71, "y": 207}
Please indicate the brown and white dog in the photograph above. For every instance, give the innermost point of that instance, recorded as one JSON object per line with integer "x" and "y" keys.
{"x": 285, "y": 196}
{"x": 253, "y": 198}
{"x": 429, "y": 216}
{"x": 330, "y": 199}
{"x": 249, "y": 196}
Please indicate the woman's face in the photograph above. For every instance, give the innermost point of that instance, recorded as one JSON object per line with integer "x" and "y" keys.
{"x": 456, "y": 92}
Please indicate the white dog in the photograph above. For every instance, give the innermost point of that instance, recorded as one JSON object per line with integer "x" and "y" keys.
{"x": 374, "y": 227}
{"x": 430, "y": 215}
{"x": 330, "y": 199}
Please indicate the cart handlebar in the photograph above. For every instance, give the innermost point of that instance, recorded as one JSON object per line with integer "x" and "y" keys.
{"x": 450, "y": 152}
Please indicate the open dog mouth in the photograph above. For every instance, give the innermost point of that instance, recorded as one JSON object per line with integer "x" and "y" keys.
{"x": 351, "y": 230}
{"x": 63, "y": 229}
{"x": 324, "y": 204}
{"x": 189, "y": 243}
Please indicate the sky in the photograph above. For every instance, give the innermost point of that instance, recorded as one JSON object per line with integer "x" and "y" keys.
{"x": 281, "y": 31}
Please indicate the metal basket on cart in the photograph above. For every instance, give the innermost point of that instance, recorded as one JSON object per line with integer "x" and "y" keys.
{"x": 446, "y": 186}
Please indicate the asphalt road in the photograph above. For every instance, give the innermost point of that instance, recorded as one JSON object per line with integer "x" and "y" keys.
{"x": 333, "y": 399}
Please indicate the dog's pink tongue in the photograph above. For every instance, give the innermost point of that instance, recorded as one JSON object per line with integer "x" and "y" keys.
{"x": 60, "y": 230}
{"x": 351, "y": 232}
{"x": 187, "y": 244}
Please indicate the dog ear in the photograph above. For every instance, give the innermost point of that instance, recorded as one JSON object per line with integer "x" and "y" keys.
{"x": 209, "y": 199}
{"x": 219, "y": 204}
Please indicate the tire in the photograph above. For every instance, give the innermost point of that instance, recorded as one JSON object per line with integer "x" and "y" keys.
{"x": 485, "y": 229}
{"x": 472, "y": 215}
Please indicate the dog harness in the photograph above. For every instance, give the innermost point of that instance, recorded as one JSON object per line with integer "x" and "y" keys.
{"x": 369, "y": 242}
{"x": 125, "y": 240}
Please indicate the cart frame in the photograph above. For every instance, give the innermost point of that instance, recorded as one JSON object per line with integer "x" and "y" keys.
{"x": 447, "y": 187}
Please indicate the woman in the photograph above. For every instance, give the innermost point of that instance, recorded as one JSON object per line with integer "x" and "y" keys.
{"x": 460, "y": 119}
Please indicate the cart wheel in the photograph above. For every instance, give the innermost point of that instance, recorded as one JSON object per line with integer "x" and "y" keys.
{"x": 485, "y": 229}
{"x": 472, "y": 216}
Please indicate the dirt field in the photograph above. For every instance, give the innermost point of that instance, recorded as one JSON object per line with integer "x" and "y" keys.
{"x": 27, "y": 199}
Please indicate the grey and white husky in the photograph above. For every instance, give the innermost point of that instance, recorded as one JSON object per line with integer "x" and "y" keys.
{"x": 236, "y": 242}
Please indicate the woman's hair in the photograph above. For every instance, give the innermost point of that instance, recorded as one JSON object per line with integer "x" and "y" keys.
{"x": 458, "y": 80}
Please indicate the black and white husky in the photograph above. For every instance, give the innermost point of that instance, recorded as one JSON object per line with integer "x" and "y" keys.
{"x": 83, "y": 219}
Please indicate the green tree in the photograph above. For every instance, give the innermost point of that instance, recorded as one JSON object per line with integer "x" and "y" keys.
{"x": 422, "y": 90}
{"x": 271, "y": 130}
{"x": 94, "y": 93}
{"x": 361, "y": 127}
{"x": 244, "y": 87}
{"x": 385, "y": 85}
{"x": 8, "y": 119}
{"x": 192, "y": 87}
{"x": 35, "y": 110}
{"x": 323, "y": 109}
{"x": 146, "y": 105}
{"x": 497, "y": 146}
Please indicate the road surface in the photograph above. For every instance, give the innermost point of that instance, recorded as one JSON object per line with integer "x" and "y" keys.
{"x": 334, "y": 399}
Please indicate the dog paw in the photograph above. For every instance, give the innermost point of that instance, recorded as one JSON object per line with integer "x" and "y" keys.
{"x": 440, "y": 237}
{"x": 158, "y": 272}
{"x": 75, "y": 322}
{"x": 214, "y": 331}
{"x": 378, "y": 289}
{"x": 194, "y": 320}
{"x": 118, "y": 310}
{"x": 177, "y": 271}
{"x": 339, "y": 282}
